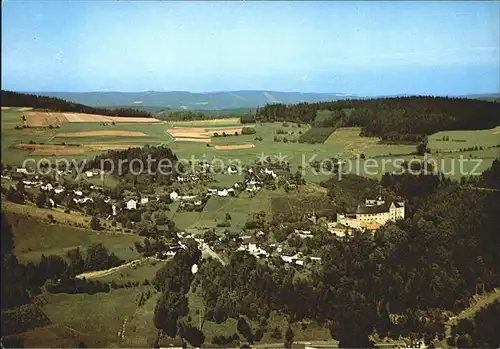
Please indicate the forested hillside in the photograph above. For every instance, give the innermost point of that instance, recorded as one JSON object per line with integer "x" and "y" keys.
{"x": 392, "y": 119}
{"x": 16, "y": 99}
{"x": 187, "y": 115}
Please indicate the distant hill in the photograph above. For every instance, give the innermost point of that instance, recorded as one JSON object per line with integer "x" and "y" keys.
{"x": 193, "y": 101}
{"x": 18, "y": 99}
{"x": 485, "y": 97}
{"x": 160, "y": 112}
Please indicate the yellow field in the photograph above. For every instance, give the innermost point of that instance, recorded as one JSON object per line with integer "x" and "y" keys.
{"x": 193, "y": 139}
{"x": 102, "y": 133}
{"x": 43, "y": 118}
{"x": 206, "y": 122}
{"x": 235, "y": 146}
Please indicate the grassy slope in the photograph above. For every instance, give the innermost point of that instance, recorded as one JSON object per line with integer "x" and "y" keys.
{"x": 464, "y": 139}
{"x": 216, "y": 208}
{"x": 33, "y": 234}
{"x": 102, "y": 315}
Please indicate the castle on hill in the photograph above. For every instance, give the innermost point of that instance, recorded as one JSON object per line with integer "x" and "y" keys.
{"x": 373, "y": 214}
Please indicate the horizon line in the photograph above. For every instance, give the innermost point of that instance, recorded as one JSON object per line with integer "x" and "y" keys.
{"x": 339, "y": 94}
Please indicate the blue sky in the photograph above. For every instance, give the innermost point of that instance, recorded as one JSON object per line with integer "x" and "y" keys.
{"x": 371, "y": 48}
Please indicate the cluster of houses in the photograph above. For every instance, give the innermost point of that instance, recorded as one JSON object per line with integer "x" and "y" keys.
{"x": 180, "y": 244}
{"x": 131, "y": 203}
{"x": 251, "y": 246}
{"x": 188, "y": 178}
{"x": 88, "y": 173}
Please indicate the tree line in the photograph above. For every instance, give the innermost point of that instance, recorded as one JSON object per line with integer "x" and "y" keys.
{"x": 399, "y": 119}
{"x": 17, "y": 99}
{"x": 190, "y": 115}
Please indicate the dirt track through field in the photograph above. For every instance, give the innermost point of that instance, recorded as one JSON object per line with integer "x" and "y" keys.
{"x": 99, "y": 147}
{"x": 190, "y": 134}
{"x": 193, "y": 139}
{"x": 206, "y": 122}
{"x": 101, "y": 273}
{"x": 106, "y": 272}
{"x": 102, "y": 133}
{"x": 130, "y": 120}
{"x": 235, "y": 146}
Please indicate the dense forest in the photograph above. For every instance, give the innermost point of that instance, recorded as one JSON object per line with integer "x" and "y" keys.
{"x": 491, "y": 177}
{"x": 17, "y": 99}
{"x": 392, "y": 119}
{"x": 188, "y": 115}
{"x": 159, "y": 162}
{"x": 247, "y": 115}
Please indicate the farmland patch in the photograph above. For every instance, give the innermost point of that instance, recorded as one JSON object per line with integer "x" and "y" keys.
{"x": 235, "y": 146}
{"x": 100, "y": 133}
{"x": 50, "y": 149}
{"x": 316, "y": 135}
{"x": 193, "y": 139}
{"x": 205, "y": 122}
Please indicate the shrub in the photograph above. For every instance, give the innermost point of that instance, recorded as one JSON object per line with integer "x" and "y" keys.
{"x": 95, "y": 223}
{"x": 248, "y": 130}
{"x": 51, "y": 218}
{"x": 22, "y": 319}
{"x": 276, "y": 333}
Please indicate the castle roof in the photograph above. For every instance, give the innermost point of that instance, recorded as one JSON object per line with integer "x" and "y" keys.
{"x": 362, "y": 209}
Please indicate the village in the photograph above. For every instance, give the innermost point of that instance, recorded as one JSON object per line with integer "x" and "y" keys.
{"x": 122, "y": 207}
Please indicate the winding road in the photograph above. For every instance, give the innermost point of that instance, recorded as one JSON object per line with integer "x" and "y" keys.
{"x": 479, "y": 303}
{"x": 101, "y": 273}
